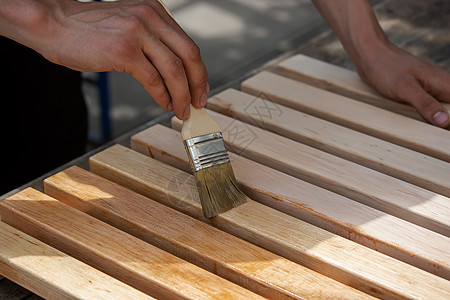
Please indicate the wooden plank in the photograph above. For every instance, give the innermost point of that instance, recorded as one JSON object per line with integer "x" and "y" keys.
{"x": 112, "y": 251}
{"x": 52, "y": 274}
{"x": 208, "y": 247}
{"x": 385, "y": 193}
{"x": 299, "y": 241}
{"x": 362, "y": 224}
{"x": 356, "y": 115}
{"x": 403, "y": 163}
{"x": 341, "y": 81}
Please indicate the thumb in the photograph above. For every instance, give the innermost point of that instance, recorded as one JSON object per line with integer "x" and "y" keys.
{"x": 428, "y": 106}
{"x": 423, "y": 90}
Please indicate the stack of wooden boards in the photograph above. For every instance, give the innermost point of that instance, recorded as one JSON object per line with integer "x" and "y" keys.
{"x": 349, "y": 201}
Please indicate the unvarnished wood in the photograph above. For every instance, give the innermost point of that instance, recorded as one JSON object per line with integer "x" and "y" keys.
{"x": 299, "y": 241}
{"x": 54, "y": 275}
{"x": 365, "y": 225}
{"x": 403, "y": 163}
{"x": 389, "y": 126}
{"x": 341, "y": 81}
{"x": 112, "y": 251}
{"x": 232, "y": 258}
{"x": 385, "y": 193}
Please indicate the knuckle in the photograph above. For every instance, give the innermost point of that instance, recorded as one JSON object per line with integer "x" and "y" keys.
{"x": 199, "y": 83}
{"x": 163, "y": 98}
{"x": 145, "y": 10}
{"x": 133, "y": 23}
{"x": 426, "y": 104}
{"x": 154, "y": 79}
{"x": 192, "y": 51}
{"x": 176, "y": 68}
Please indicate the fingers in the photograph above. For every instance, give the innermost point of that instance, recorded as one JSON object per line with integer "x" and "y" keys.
{"x": 189, "y": 53}
{"x": 435, "y": 83}
{"x": 150, "y": 78}
{"x": 428, "y": 106}
{"x": 196, "y": 74}
{"x": 177, "y": 58}
{"x": 173, "y": 74}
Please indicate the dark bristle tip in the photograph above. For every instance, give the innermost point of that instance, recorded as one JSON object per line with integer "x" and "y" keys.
{"x": 218, "y": 189}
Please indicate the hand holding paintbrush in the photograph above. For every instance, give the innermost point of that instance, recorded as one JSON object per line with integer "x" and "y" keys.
{"x": 210, "y": 163}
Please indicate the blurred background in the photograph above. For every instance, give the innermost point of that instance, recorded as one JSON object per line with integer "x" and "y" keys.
{"x": 239, "y": 36}
{"x": 235, "y": 36}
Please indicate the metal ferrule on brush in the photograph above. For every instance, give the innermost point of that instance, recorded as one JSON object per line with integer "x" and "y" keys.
{"x": 206, "y": 151}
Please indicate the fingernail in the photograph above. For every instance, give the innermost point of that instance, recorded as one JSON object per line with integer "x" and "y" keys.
{"x": 203, "y": 100}
{"x": 186, "y": 112}
{"x": 440, "y": 118}
{"x": 170, "y": 106}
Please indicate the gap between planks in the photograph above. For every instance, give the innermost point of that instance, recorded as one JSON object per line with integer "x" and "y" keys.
{"x": 380, "y": 123}
{"x": 342, "y": 81}
{"x": 208, "y": 247}
{"x": 50, "y": 273}
{"x": 127, "y": 258}
{"x": 400, "y": 162}
{"x": 385, "y": 193}
{"x": 277, "y": 232}
{"x": 372, "y": 228}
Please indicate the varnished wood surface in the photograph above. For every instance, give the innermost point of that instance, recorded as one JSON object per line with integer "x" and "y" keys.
{"x": 53, "y": 274}
{"x": 374, "y": 189}
{"x": 420, "y": 27}
{"x": 232, "y": 258}
{"x": 112, "y": 251}
{"x": 275, "y": 231}
{"x": 342, "y": 215}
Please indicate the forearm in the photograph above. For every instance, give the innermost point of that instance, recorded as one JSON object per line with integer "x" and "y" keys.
{"x": 134, "y": 36}
{"x": 356, "y": 26}
{"x": 393, "y": 72}
{"x": 27, "y": 21}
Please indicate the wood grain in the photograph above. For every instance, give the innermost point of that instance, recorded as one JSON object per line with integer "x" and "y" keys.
{"x": 292, "y": 238}
{"x": 208, "y": 247}
{"x": 385, "y": 193}
{"x": 341, "y": 81}
{"x": 383, "y": 124}
{"x": 112, "y": 251}
{"x": 54, "y": 275}
{"x": 365, "y": 225}
{"x": 403, "y": 163}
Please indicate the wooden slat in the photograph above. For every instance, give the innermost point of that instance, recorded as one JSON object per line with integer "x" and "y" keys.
{"x": 299, "y": 241}
{"x": 372, "y": 228}
{"x": 385, "y": 193}
{"x": 341, "y": 81}
{"x": 232, "y": 258}
{"x": 386, "y": 125}
{"x": 112, "y": 251}
{"x": 54, "y": 275}
{"x": 411, "y": 166}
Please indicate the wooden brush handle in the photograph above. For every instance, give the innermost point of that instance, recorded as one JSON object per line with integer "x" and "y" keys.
{"x": 199, "y": 123}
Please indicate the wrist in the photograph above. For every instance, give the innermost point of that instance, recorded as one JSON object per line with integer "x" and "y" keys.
{"x": 29, "y": 22}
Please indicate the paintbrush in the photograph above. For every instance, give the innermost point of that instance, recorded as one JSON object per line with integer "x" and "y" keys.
{"x": 202, "y": 137}
{"x": 210, "y": 163}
